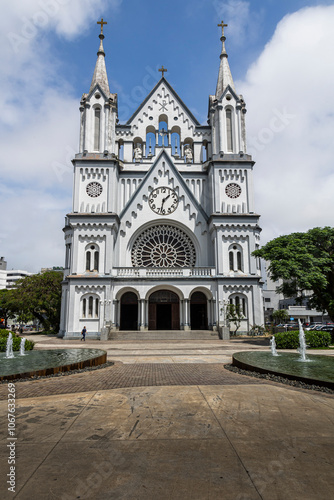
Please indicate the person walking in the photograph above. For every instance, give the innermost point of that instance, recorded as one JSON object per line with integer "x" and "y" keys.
{"x": 83, "y": 333}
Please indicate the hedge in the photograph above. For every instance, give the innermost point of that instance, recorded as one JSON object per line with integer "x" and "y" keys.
{"x": 290, "y": 340}
{"x": 28, "y": 346}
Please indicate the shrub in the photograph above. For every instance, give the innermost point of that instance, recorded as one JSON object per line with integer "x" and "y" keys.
{"x": 290, "y": 340}
{"x": 317, "y": 338}
{"x": 287, "y": 340}
{"x": 29, "y": 344}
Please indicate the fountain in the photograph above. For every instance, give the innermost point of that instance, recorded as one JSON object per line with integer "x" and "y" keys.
{"x": 9, "y": 346}
{"x": 302, "y": 343}
{"x": 313, "y": 369}
{"x": 273, "y": 346}
{"x": 22, "y": 352}
{"x": 48, "y": 362}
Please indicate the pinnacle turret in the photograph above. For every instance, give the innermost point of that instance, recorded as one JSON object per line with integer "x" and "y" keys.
{"x": 224, "y": 75}
{"x": 100, "y": 73}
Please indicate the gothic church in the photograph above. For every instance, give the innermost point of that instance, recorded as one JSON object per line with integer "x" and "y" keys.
{"x": 163, "y": 223}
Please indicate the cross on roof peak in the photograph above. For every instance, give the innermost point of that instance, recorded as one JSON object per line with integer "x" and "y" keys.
{"x": 163, "y": 70}
{"x": 101, "y": 23}
{"x": 222, "y": 25}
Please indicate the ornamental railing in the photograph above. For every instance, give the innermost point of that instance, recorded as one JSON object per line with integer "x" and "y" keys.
{"x": 165, "y": 272}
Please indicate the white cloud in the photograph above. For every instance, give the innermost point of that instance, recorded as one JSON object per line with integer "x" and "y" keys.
{"x": 290, "y": 123}
{"x": 31, "y": 235}
{"x": 38, "y": 127}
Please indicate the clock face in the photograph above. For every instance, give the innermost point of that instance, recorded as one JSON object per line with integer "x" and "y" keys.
{"x": 163, "y": 200}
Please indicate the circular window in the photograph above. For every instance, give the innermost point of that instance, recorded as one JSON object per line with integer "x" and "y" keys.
{"x": 163, "y": 246}
{"x": 94, "y": 189}
{"x": 233, "y": 190}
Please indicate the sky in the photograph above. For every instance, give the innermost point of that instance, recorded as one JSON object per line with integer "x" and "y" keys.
{"x": 281, "y": 58}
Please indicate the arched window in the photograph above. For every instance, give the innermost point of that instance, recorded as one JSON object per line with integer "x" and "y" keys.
{"x": 240, "y": 302}
{"x": 92, "y": 258}
{"x": 231, "y": 261}
{"x": 96, "y": 260}
{"x": 150, "y": 141}
{"x": 97, "y": 128}
{"x": 163, "y": 131}
{"x": 229, "y": 130}
{"x": 90, "y": 306}
{"x": 235, "y": 258}
{"x": 239, "y": 262}
{"x": 163, "y": 246}
{"x": 88, "y": 257}
{"x": 175, "y": 140}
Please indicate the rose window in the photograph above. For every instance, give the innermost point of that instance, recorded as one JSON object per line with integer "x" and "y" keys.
{"x": 163, "y": 246}
{"x": 94, "y": 189}
{"x": 233, "y": 190}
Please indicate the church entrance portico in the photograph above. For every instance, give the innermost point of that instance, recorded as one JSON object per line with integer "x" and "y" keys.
{"x": 164, "y": 311}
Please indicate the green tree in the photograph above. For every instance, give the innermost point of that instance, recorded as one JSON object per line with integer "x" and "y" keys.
{"x": 234, "y": 315}
{"x": 304, "y": 261}
{"x": 280, "y": 316}
{"x": 6, "y": 309}
{"x": 39, "y": 296}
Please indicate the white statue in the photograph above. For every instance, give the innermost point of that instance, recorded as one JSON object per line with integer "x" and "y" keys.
{"x": 138, "y": 153}
{"x": 189, "y": 153}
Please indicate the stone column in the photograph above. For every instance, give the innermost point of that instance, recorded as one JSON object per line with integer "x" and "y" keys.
{"x": 214, "y": 315}
{"x": 186, "y": 314}
{"x": 142, "y": 315}
{"x": 182, "y": 314}
{"x": 115, "y": 315}
{"x": 209, "y": 310}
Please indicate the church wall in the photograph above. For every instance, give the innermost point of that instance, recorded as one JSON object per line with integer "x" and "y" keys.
{"x": 128, "y": 184}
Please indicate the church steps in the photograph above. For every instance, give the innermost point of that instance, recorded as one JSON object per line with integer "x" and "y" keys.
{"x": 164, "y": 335}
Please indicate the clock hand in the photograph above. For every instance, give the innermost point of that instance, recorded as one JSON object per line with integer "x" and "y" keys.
{"x": 163, "y": 201}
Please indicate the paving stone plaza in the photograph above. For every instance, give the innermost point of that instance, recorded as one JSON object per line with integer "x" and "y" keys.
{"x": 167, "y": 420}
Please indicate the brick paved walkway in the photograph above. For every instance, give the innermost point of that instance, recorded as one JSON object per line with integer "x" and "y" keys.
{"x": 130, "y": 375}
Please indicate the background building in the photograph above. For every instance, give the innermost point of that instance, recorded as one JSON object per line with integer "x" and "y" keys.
{"x": 273, "y": 301}
{"x": 9, "y": 277}
{"x": 163, "y": 223}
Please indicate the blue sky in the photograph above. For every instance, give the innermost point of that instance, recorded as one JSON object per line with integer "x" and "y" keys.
{"x": 280, "y": 55}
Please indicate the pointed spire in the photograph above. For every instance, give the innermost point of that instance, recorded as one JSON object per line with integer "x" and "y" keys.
{"x": 224, "y": 75}
{"x": 100, "y": 72}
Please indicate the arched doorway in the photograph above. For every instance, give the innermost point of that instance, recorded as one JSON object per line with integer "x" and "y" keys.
{"x": 198, "y": 311}
{"x": 164, "y": 311}
{"x": 129, "y": 311}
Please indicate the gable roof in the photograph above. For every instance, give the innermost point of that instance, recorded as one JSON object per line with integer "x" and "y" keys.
{"x": 172, "y": 91}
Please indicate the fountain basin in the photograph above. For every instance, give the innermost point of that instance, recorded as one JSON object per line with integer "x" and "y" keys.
{"x": 49, "y": 362}
{"x": 319, "y": 370}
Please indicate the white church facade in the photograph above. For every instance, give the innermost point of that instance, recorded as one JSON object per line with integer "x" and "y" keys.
{"x": 163, "y": 223}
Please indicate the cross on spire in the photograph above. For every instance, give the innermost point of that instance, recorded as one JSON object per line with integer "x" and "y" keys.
{"x": 163, "y": 70}
{"x": 101, "y": 23}
{"x": 222, "y": 25}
